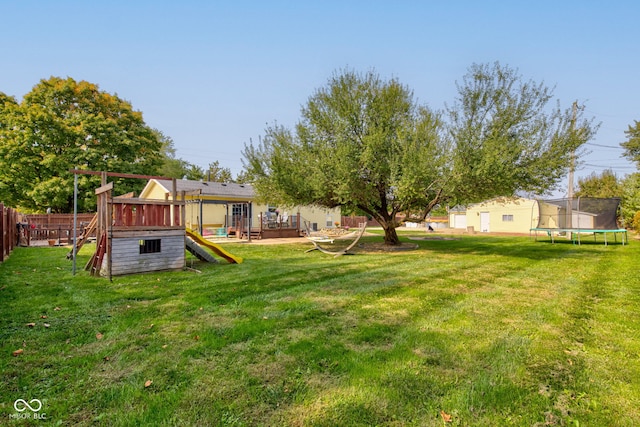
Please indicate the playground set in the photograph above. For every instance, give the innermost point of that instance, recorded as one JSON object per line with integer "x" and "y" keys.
{"x": 136, "y": 235}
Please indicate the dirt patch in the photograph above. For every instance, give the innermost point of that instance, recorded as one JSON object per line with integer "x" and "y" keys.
{"x": 277, "y": 241}
{"x": 432, "y": 238}
{"x": 381, "y": 247}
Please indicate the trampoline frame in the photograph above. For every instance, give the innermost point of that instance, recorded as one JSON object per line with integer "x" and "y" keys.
{"x": 578, "y": 231}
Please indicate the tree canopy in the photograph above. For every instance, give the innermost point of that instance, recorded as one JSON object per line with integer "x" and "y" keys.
{"x": 508, "y": 136}
{"x": 63, "y": 124}
{"x": 631, "y": 200}
{"x": 631, "y": 183}
{"x": 217, "y": 173}
{"x": 605, "y": 185}
{"x": 361, "y": 143}
{"x": 365, "y": 143}
{"x": 632, "y": 144}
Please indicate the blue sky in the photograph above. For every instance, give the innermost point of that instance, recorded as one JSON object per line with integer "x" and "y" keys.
{"x": 211, "y": 74}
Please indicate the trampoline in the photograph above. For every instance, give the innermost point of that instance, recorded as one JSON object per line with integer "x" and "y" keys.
{"x": 578, "y": 218}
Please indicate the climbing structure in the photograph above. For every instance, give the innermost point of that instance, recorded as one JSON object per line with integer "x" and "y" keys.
{"x": 136, "y": 235}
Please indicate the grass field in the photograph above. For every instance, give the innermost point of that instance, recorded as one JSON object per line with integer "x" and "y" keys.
{"x": 477, "y": 331}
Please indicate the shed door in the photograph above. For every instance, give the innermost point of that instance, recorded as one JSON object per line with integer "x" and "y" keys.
{"x": 484, "y": 222}
{"x": 460, "y": 221}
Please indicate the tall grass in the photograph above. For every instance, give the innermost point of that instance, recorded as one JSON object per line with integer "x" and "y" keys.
{"x": 478, "y": 331}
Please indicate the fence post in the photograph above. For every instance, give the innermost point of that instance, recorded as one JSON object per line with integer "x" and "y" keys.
{"x": 9, "y": 237}
{"x": 2, "y": 231}
{"x": 12, "y": 227}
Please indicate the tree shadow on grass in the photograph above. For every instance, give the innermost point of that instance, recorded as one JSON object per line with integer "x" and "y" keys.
{"x": 520, "y": 247}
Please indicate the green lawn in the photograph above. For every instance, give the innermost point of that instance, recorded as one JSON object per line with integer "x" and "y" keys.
{"x": 478, "y": 331}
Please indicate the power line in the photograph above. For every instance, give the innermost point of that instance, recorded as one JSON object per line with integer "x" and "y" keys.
{"x": 608, "y": 167}
{"x": 604, "y": 146}
{"x": 590, "y": 111}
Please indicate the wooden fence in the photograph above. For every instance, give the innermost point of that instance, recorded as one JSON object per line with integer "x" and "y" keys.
{"x": 57, "y": 228}
{"x": 9, "y": 231}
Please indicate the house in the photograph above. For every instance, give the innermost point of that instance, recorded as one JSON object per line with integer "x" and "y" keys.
{"x": 223, "y": 209}
{"x": 521, "y": 215}
{"x": 499, "y": 215}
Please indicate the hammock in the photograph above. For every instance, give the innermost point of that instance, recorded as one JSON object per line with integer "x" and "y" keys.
{"x": 316, "y": 239}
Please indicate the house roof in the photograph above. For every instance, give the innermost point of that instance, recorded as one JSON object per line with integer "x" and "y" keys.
{"x": 215, "y": 189}
{"x": 458, "y": 209}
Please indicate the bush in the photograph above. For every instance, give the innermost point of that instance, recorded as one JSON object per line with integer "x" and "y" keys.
{"x": 635, "y": 223}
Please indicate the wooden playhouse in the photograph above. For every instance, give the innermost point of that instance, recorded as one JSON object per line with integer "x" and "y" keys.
{"x": 136, "y": 235}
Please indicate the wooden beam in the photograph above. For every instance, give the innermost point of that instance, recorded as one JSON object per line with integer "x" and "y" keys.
{"x": 104, "y": 188}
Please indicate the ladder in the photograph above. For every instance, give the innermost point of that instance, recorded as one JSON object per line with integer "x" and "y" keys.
{"x": 88, "y": 231}
{"x": 95, "y": 263}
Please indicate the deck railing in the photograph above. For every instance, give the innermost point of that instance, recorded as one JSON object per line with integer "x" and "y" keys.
{"x": 145, "y": 213}
{"x": 55, "y": 227}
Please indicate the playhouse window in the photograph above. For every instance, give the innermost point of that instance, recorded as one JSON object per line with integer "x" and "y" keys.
{"x": 149, "y": 246}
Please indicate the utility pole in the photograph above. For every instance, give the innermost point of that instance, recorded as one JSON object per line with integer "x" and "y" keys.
{"x": 572, "y": 166}
{"x": 573, "y": 154}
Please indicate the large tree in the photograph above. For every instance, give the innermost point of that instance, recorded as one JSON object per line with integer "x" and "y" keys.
{"x": 63, "y": 124}
{"x": 365, "y": 144}
{"x": 362, "y": 143}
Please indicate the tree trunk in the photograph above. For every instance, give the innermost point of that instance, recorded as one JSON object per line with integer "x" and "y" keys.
{"x": 390, "y": 234}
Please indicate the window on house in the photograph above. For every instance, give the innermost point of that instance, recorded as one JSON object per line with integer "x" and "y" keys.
{"x": 150, "y": 246}
{"x": 507, "y": 218}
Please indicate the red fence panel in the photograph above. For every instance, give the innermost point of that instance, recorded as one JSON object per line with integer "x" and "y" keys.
{"x": 9, "y": 231}
{"x": 56, "y": 226}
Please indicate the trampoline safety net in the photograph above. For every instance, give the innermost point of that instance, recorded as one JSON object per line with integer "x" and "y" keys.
{"x": 579, "y": 213}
